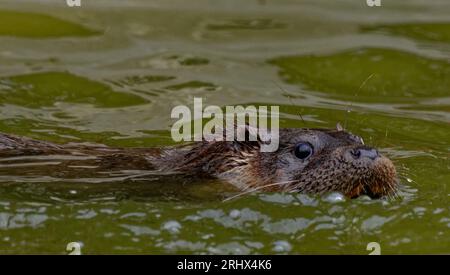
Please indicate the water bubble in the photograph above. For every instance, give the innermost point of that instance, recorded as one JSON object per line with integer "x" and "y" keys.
{"x": 335, "y": 197}
{"x": 281, "y": 246}
{"x": 278, "y": 198}
{"x": 235, "y": 213}
{"x": 172, "y": 226}
{"x": 307, "y": 200}
{"x": 364, "y": 198}
{"x": 419, "y": 210}
{"x": 207, "y": 236}
{"x": 438, "y": 210}
{"x": 375, "y": 222}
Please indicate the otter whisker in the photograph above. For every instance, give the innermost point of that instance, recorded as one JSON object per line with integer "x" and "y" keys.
{"x": 152, "y": 173}
{"x": 290, "y": 100}
{"x": 356, "y": 94}
{"x": 256, "y": 189}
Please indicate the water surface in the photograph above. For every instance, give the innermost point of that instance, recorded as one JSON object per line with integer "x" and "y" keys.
{"x": 111, "y": 71}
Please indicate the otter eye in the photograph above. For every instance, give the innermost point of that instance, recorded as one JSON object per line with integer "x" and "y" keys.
{"x": 303, "y": 150}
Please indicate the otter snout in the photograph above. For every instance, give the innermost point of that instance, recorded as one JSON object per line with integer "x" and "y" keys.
{"x": 364, "y": 152}
{"x": 361, "y": 155}
{"x": 372, "y": 173}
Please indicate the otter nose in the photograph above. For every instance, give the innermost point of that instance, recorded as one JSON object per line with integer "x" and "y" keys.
{"x": 364, "y": 152}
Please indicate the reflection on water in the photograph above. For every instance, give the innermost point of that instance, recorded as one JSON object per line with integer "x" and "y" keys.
{"x": 111, "y": 71}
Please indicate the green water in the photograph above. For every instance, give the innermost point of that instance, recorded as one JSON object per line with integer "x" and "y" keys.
{"x": 110, "y": 72}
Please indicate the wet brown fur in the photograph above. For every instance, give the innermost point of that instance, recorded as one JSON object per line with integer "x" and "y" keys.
{"x": 239, "y": 163}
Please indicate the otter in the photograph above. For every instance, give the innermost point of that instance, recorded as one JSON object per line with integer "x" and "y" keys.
{"x": 313, "y": 161}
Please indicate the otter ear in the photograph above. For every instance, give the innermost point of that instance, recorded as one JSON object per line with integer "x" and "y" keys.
{"x": 240, "y": 134}
{"x": 339, "y": 127}
{"x": 246, "y": 135}
{"x": 259, "y": 138}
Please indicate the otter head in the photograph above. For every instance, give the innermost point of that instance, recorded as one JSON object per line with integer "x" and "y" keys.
{"x": 314, "y": 161}
{"x": 318, "y": 161}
